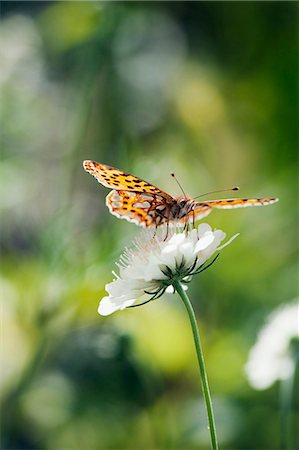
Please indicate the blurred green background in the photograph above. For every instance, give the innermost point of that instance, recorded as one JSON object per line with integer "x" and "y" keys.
{"x": 203, "y": 89}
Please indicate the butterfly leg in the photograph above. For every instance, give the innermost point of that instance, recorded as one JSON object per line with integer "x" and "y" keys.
{"x": 186, "y": 226}
{"x": 155, "y": 232}
{"x": 167, "y": 229}
{"x": 160, "y": 219}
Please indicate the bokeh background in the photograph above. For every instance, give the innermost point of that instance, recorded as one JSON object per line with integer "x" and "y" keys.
{"x": 203, "y": 89}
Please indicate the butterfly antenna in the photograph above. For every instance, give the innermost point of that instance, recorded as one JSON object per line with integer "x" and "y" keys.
{"x": 173, "y": 175}
{"x": 236, "y": 188}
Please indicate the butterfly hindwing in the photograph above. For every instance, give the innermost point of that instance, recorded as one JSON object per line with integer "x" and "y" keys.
{"x": 137, "y": 207}
{"x": 199, "y": 213}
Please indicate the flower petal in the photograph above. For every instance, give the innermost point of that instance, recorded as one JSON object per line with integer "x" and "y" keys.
{"x": 108, "y": 305}
{"x": 204, "y": 241}
{"x": 203, "y": 228}
{"x": 228, "y": 242}
{"x": 169, "y": 289}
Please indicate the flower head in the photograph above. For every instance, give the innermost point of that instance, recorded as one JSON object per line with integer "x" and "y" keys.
{"x": 271, "y": 359}
{"x": 151, "y": 267}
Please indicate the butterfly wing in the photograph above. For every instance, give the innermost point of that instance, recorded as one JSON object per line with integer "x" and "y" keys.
{"x": 141, "y": 208}
{"x": 238, "y": 202}
{"x": 118, "y": 180}
{"x": 198, "y": 213}
{"x": 202, "y": 209}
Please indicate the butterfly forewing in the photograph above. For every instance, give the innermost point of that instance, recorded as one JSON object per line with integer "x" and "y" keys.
{"x": 238, "y": 202}
{"x": 116, "y": 179}
{"x": 202, "y": 209}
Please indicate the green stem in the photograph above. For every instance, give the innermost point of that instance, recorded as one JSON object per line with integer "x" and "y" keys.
{"x": 204, "y": 379}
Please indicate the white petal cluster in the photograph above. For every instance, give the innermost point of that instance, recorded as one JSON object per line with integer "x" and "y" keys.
{"x": 150, "y": 265}
{"x": 270, "y": 358}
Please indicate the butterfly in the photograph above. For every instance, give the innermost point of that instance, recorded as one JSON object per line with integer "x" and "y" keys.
{"x": 144, "y": 204}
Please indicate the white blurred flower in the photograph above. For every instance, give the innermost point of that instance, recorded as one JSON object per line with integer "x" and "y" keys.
{"x": 270, "y": 358}
{"x": 150, "y": 268}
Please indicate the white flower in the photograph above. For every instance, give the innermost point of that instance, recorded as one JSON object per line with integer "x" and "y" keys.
{"x": 150, "y": 268}
{"x": 270, "y": 358}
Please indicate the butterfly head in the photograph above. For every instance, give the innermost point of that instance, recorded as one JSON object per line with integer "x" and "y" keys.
{"x": 182, "y": 207}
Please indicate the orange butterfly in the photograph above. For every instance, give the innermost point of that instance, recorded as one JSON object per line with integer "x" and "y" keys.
{"x": 144, "y": 204}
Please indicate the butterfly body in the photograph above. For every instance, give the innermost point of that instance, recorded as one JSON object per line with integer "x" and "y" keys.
{"x": 181, "y": 207}
{"x": 144, "y": 204}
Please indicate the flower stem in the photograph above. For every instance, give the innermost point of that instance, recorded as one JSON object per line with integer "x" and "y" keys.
{"x": 204, "y": 379}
